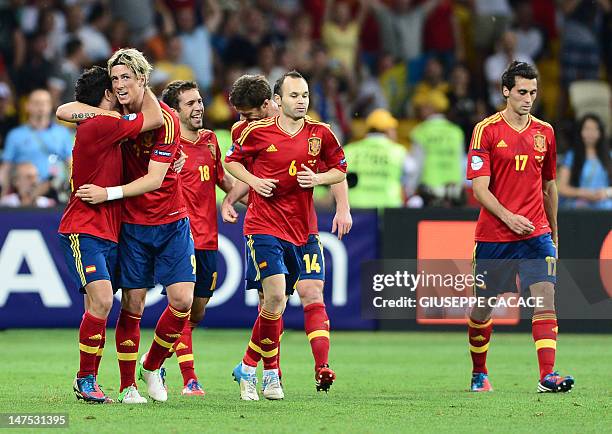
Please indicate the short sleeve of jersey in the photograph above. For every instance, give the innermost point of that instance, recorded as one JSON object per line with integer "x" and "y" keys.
{"x": 332, "y": 153}
{"x": 120, "y": 127}
{"x": 167, "y": 139}
{"x": 479, "y": 161}
{"x": 549, "y": 169}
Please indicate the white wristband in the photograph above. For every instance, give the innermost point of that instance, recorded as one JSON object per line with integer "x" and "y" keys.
{"x": 114, "y": 193}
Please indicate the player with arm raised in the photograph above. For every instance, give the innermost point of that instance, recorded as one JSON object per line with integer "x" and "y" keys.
{"x": 282, "y": 151}
{"x": 89, "y": 234}
{"x": 203, "y": 171}
{"x": 250, "y": 96}
{"x": 512, "y": 164}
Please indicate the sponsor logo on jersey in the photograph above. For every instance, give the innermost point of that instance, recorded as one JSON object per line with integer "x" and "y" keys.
{"x": 314, "y": 146}
{"x": 502, "y": 144}
{"x": 476, "y": 163}
{"x": 271, "y": 148}
{"x": 539, "y": 142}
{"x": 163, "y": 153}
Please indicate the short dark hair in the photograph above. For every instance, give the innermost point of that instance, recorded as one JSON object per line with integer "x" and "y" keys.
{"x": 72, "y": 46}
{"x": 517, "y": 69}
{"x": 91, "y": 85}
{"x": 172, "y": 92}
{"x": 250, "y": 91}
{"x": 278, "y": 86}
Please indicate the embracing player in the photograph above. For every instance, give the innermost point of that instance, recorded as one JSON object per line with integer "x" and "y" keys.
{"x": 89, "y": 234}
{"x": 155, "y": 242}
{"x": 512, "y": 165}
{"x": 281, "y": 152}
{"x": 202, "y": 172}
{"x": 250, "y": 96}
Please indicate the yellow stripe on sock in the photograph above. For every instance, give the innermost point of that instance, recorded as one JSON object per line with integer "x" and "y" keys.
{"x": 269, "y": 315}
{"x": 185, "y": 358}
{"x": 100, "y": 351}
{"x": 318, "y": 334}
{"x": 479, "y": 326}
{"x": 126, "y": 357}
{"x": 280, "y": 338}
{"x": 177, "y": 313}
{"x": 271, "y": 353}
{"x": 479, "y": 350}
{"x": 543, "y": 318}
{"x": 546, "y": 343}
{"x": 88, "y": 349}
{"x": 162, "y": 342}
{"x": 254, "y": 347}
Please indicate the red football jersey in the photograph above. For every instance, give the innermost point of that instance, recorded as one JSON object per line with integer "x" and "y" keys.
{"x": 279, "y": 155}
{"x": 166, "y": 204}
{"x": 202, "y": 172}
{"x": 517, "y": 162}
{"x": 96, "y": 159}
{"x": 236, "y": 131}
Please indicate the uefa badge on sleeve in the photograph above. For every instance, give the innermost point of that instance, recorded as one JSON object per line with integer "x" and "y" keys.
{"x": 476, "y": 163}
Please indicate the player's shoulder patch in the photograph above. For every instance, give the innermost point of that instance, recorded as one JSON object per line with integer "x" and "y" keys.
{"x": 130, "y": 117}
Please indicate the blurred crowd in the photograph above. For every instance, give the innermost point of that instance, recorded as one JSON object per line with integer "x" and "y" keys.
{"x": 402, "y": 82}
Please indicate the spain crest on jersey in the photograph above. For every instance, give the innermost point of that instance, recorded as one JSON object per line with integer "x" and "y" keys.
{"x": 314, "y": 146}
{"x": 539, "y": 142}
{"x": 147, "y": 139}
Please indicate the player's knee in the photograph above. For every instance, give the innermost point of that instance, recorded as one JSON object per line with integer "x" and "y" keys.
{"x": 481, "y": 313}
{"x": 133, "y": 301}
{"x": 181, "y": 301}
{"x": 100, "y": 306}
{"x": 311, "y": 294}
{"x": 544, "y": 293}
{"x": 275, "y": 302}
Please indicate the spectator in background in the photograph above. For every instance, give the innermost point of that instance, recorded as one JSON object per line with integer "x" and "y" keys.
{"x": 492, "y": 19}
{"x": 267, "y": 63}
{"x": 300, "y": 46}
{"x": 465, "y": 108}
{"x": 171, "y": 66}
{"x": 340, "y": 33}
{"x": 379, "y": 163}
{"x": 580, "y": 49}
{"x": 36, "y": 71}
{"x": 443, "y": 36}
{"x": 196, "y": 40}
{"x": 71, "y": 67}
{"x": 439, "y": 148}
{"x": 496, "y": 64}
{"x": 8, "y": 114}
{"x": 433, "y": 81}
{"x": 530, "y": 39}
{"x": 41, "y": 142}
{"x": 585, "y": 174}
{"x": 13, "y": 44}
{"x": 93, "y": 34}
{"x": 331, "y": 103}
{"x": 401, "y": 26}
{"x": 139, "y": 16}
{"x": 27, "y": 191}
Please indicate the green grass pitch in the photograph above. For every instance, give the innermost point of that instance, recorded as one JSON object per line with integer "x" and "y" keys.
{"x": 387, "y": 383}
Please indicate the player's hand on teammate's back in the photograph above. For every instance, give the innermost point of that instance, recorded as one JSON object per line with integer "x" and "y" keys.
{"x": 264, "y": 187}
{"x": 92, "y": 194}
{"x": 519, "y": 224}
{"x": 307, "y": 178}
{"x": 343, "y": 222}
{"x": 228, "y": 213}
{"x": 179, "y": 163}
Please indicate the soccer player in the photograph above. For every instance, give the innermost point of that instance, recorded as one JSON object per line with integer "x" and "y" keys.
{"x": 250, "y": 96}
{"x": 512, "y": 165}
{"x": 281, "y": 152}
{"x": 155, "y": 241}
{"x": 202, "y": 172}
{"x": 89, "y": 234}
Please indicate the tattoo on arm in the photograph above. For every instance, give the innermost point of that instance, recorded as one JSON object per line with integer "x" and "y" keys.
{"x": 81, "y": 116}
